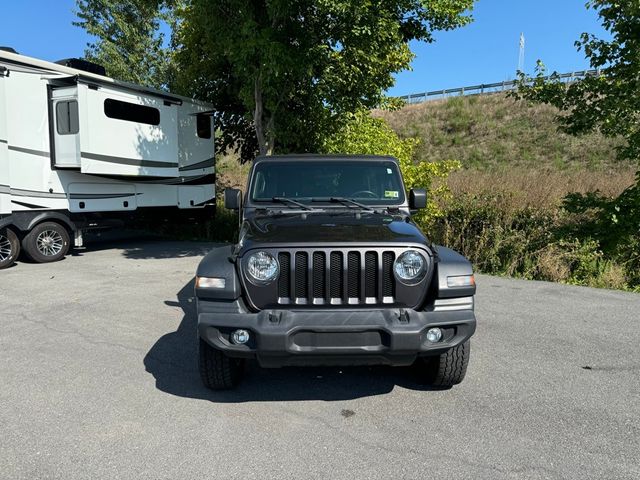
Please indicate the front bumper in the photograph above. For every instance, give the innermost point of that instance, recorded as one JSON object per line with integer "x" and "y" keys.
{"x": 391, "y": 336}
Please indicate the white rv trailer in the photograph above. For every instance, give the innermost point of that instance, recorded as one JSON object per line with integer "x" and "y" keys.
{"x": 79, "y": 150}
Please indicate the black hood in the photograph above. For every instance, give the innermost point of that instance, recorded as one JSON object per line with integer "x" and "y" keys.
{"x": 336, "y": 228}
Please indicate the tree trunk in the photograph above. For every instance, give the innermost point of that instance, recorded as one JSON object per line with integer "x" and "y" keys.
{"x": 258, "y": 119}
{"x": 270, "y": 135}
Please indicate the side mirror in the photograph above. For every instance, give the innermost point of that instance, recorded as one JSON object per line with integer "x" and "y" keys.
{"x": 232, "y": 198}
{"x": 417, "y": 198}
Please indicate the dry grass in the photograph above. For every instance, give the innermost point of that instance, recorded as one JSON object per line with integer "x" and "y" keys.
{"x": 230, "y": 173}
{"x": 539, "y": 188}
{"x": 550, "y": 265}
{"x": 614, "y": 276}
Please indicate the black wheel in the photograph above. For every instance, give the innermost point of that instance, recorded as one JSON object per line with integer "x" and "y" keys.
{"x": 9, "y": 247}
{"x": 217, "y": 370}
{"x": 448, "y": 369}
{"x": 47, "y": 242}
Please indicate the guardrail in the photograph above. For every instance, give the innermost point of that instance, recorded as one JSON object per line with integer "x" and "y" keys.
{"x": 487, "y": 88}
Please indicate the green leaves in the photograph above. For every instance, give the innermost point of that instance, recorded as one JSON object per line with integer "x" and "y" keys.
{"x": 292, "y": 69}
{"x": 282, "y": 74}
{"x": 609, "y": 103}
{"x": 129, "y": 39}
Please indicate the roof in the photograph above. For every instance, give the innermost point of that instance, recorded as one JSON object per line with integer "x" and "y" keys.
{"x": 50, "y": 67}
{"x": 318, "y": 156}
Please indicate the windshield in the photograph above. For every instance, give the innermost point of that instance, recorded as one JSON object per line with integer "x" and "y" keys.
{"x": 368, "y": 182}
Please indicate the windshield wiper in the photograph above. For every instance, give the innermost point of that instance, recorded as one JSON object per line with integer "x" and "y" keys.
{"x": 348, "y": 202}
{"x": 290, "y": 201}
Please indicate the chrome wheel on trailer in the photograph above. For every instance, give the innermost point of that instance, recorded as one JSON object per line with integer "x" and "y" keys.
{"x": 47, "y": 242}
{"x": 5, "y": 248}
{"x": 9, "y": 247}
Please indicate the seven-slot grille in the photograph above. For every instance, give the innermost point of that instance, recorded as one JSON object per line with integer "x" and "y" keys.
{"x": 336, "y": 277}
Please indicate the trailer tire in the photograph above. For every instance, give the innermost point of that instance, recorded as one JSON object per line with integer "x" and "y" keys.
{"x": 47, "y": 242}
{"x": 9, "y": 247}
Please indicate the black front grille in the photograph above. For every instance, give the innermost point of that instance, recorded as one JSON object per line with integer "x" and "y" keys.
{"x": 388, "y": 285}
{"x": 284, "y": 284}
{"x": 319, "y": 275}
{"x": 353, "y": 274}
{"x": 301, "y": 274}
{"x": 336, "y": 277}
{"x": 370, "y": 274}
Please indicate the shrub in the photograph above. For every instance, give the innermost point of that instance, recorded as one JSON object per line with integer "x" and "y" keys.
{"x": 495, "y": 238}
{"x": 533, "y": 243}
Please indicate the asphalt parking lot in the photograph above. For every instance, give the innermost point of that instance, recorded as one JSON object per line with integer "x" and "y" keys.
{"x": 98, "y": 379}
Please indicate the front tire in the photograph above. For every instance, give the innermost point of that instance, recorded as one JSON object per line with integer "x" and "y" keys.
{"x": 449, "y": 368}
{"x": 9, "y": 247}
{"x": 47, "y": 242}
{"x": 217, "y": 370}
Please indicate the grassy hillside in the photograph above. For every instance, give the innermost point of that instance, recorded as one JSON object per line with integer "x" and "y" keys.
{"x": 512, "y": 147}
{"x": 495, "y": 131}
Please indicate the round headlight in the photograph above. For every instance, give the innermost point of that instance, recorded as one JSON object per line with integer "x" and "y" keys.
{"x": 262, "y": 268}
{"x": 410, "y": 266}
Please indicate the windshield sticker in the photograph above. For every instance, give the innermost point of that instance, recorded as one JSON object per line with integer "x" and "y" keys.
{"x": 389, "y": 171}
{"x": 391, "y": 194}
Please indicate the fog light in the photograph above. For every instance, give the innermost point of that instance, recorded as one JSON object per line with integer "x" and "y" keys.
{"x": 240, "y": 337}
{"x": 434, "y": 335}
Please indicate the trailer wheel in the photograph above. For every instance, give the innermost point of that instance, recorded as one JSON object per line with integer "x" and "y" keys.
{"x": 47, "y": 242}
{"x": 9, "y": 247}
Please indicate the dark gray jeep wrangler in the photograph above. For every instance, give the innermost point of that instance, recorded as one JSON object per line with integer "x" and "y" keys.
{"x": 329, "y": 269}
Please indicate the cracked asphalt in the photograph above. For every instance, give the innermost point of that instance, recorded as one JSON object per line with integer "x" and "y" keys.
{"x": 98, "y": 379}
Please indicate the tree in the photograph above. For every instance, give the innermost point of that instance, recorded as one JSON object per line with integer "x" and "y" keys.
{"x": 282, "y": 73}
{"x": 608, "y": 102}
{"x": 129, "y": 39}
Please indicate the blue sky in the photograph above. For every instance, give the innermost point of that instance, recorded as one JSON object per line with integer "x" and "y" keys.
{"x": 485, "y": 51}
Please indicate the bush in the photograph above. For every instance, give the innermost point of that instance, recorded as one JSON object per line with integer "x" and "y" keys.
{"x": 532, "y": 243}
{"x": 495, "y": 239}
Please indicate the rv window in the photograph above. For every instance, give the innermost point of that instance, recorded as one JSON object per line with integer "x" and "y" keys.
{"x": 131, "y": 112}
{"x": 204, "y": 126}
{"x": 67, "y": 117}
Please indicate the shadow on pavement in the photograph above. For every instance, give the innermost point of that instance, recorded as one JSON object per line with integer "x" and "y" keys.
{"x": 173, "y": 363}
{"x": 142, "y": 246}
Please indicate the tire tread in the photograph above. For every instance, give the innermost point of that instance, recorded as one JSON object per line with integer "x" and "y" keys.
{"x": 449, "y": 368}
{"x": 217, "y": 370}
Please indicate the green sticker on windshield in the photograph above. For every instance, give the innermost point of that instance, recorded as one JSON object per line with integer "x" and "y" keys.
{"x": 391, "y": 194}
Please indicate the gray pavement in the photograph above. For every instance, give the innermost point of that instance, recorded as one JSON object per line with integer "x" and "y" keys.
{"x": 98, "y": 379}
